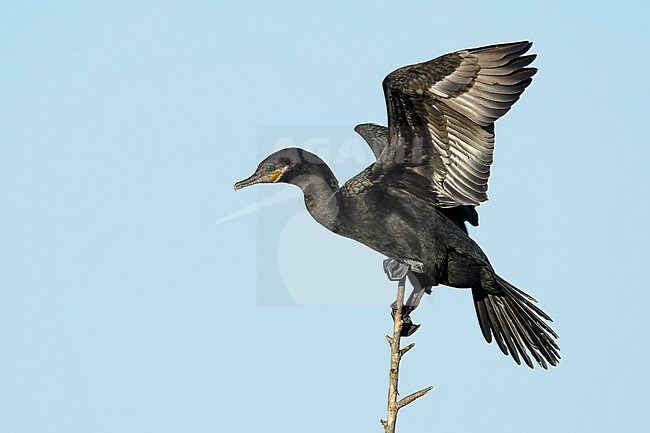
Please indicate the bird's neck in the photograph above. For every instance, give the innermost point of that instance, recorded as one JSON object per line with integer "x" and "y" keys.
{"x": 319, "y": 186}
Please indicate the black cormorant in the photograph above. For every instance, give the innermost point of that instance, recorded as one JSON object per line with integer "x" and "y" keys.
{"x": 432, "y": 169}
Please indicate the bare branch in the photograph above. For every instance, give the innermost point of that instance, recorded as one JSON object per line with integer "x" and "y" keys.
{"x": 395, "y": 357}
{"x": 412, "y": 397}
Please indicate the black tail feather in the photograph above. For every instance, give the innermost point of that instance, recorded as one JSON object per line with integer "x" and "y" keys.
{"x": 517, "y": 324}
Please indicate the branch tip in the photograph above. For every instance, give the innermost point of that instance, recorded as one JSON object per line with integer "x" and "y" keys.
{"x": 412, "y": 397}
{"x": 406, "y": 349}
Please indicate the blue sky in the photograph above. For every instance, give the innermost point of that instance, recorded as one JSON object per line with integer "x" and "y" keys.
{"x": 130, "y": 303}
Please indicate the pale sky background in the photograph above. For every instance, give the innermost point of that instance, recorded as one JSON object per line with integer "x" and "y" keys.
{"x": 127, "y": 304}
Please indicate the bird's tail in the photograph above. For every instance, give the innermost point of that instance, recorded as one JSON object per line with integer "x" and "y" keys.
{"x": 517, "y": 323}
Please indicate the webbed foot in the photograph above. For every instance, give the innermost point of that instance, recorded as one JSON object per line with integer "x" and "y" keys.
{"x": 395, "y": 270}
{"x": 408, "y": 327}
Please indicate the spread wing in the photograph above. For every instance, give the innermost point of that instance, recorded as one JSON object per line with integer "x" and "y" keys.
{"x": 377, "y": 138}
{"x": 441, "y": 116}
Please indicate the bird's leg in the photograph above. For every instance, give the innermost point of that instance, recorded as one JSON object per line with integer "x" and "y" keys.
{"x": 416, "y": 295}
{"x": 411, "y": 304}
{"x": 396, "y": 270}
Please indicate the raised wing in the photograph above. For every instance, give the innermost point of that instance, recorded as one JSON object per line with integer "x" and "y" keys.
{"x": 377, "y": 138}
{"x": 441, "y": 117}
{"x": 375, "y": 135}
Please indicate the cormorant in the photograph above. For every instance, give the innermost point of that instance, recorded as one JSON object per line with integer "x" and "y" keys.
{"x": 432, "y": 169}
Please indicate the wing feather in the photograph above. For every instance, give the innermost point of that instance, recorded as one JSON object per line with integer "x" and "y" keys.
{"x": 441, "y": 116}
{"x": 375, "y": 135}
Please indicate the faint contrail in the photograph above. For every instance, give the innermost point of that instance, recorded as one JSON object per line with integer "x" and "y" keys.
{"x": 283, "y": 195}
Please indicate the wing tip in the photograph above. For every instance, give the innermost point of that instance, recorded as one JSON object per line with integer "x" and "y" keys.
{"x": 518, "y": 46}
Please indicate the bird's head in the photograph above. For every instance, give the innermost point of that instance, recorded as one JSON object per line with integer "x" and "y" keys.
{"x": 281, "y": 166}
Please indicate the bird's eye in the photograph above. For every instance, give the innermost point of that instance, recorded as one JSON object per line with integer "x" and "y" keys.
{"x": 270, "y": 168}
